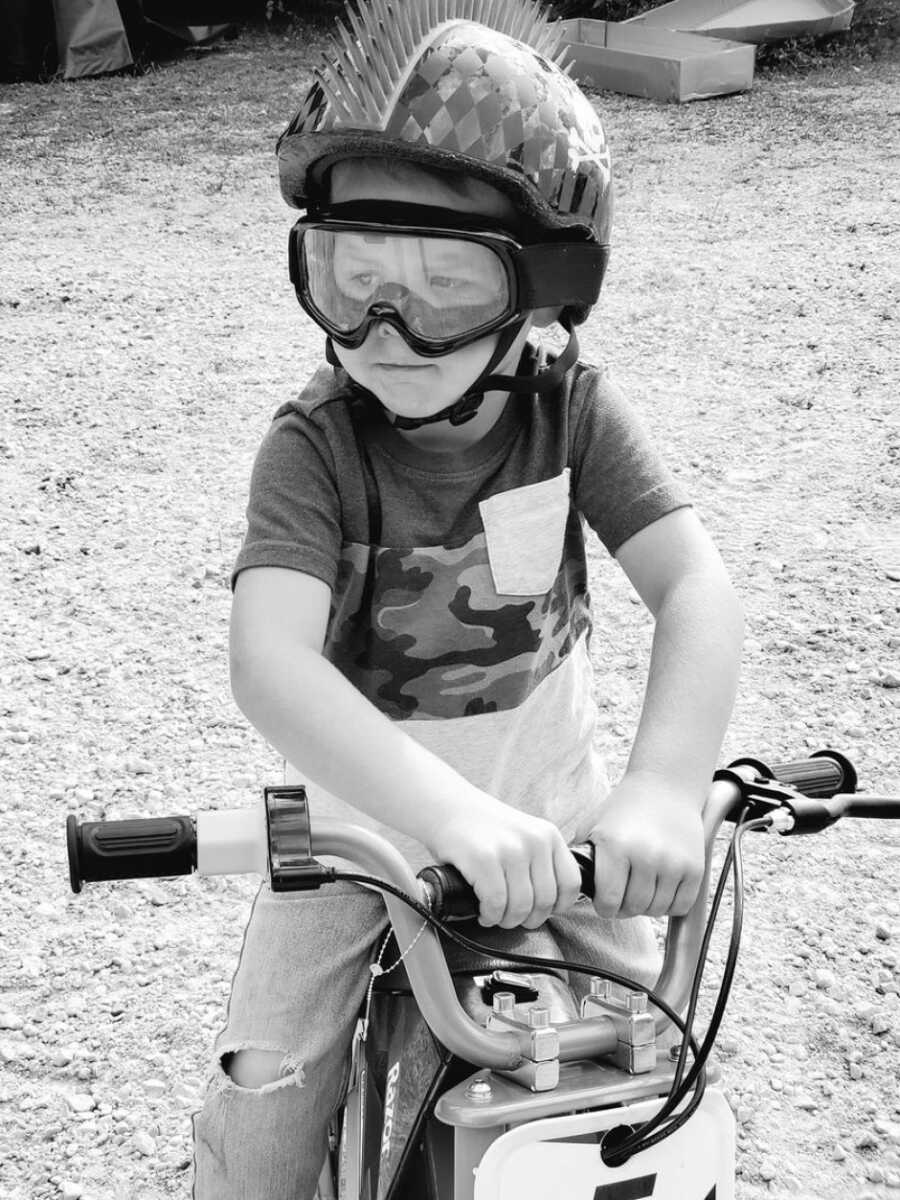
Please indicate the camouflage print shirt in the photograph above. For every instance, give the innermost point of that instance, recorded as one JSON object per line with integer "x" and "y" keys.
{"x": 459, "y": 584}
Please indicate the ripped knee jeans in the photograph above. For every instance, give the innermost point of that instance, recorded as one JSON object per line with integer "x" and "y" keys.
{"x": 297, "y": 991}
{"x": 299, "y": 985}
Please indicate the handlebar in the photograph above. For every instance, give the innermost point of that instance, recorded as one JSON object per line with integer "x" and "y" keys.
{"x": 164, "y": 846}
{"x": 277, "y": 842}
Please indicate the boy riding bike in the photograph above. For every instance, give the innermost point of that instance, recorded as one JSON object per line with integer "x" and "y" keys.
{"x": 411, "y": 618}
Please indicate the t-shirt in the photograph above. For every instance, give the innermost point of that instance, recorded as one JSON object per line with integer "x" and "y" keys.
{"x": 460, "y": 603}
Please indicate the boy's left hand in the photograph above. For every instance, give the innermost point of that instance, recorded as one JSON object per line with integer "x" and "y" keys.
{"x": 650, "y": 853}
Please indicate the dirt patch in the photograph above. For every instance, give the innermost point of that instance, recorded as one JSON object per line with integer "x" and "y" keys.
{"x": 148, "y": 334}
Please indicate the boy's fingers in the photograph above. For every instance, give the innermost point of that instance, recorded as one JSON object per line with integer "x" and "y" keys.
{"x": 685, "y": 897}
{"x": 663, "y": 897}
{"x": 492, "y": 896}
{"x": 639, "y": 894}
{"x": 544, "y": 891}
{"x": 519, "y": 897}
{"x": 567, "y": 879}
{"x": 610, "y": 883}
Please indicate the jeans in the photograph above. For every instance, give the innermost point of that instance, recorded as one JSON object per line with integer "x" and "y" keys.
{"x": 298, "y": 988}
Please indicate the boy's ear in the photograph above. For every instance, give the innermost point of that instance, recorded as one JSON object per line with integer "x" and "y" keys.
{"x": 542, "y": 317}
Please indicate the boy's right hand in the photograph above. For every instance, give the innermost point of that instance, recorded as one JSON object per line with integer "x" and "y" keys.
{"x": 520, "y": 866}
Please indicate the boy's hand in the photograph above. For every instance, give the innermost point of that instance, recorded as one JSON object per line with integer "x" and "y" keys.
{"x": 649, "y": 850}
{"x": 519, "y": 865}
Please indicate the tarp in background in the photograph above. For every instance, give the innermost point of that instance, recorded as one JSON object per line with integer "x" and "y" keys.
{"x": 92, "y": 37}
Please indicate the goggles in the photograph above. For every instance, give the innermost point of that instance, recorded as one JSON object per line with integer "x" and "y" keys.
{"x": 441, "y": 284}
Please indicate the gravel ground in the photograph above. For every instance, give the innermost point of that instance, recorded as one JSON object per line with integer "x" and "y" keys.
{"x": 149, "y": 333}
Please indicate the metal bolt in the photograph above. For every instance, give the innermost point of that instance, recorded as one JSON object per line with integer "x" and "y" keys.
{"x": 539, "y": 1018}
{"x": 479, "y": 1090}
{"x": 674, "y": 1052}
{"x": 636, "y": 1002}
{"x": 600, "y": 988}
{"x": 504, "y": 1002}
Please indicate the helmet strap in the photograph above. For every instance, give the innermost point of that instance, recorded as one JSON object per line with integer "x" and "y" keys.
{"x": 467, "y": 406}
{"x": 464, "y": 409}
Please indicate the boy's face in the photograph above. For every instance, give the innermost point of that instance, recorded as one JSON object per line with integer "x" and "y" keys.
{"x": 407, "y": 384}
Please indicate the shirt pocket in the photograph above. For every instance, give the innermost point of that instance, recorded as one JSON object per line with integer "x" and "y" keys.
{"x": 525, "y": 532}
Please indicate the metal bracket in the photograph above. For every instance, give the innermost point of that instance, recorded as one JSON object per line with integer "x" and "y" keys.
{"x": 635, "y": 1027}
{"x": 542, "y": 1041}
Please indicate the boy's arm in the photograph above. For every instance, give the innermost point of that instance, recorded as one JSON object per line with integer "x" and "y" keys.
{"x": 649, "y": 836}
{"x": 305, "y": 708}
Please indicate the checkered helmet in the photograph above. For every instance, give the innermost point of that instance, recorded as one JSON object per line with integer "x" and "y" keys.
{"x": 473, "y": 86}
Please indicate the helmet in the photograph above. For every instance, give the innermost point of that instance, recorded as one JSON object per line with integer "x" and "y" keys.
{"x": 467, "y": 85}
{"x": 474, "y": 87}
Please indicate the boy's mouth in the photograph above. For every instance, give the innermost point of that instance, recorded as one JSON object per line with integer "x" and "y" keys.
{"x": 398, "y": 366}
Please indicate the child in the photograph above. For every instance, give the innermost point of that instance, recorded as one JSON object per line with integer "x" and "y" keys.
{"x": 411, "y": 618}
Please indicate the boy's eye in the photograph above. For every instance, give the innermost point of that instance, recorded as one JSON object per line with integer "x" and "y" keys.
{"x": 446, "y": 282}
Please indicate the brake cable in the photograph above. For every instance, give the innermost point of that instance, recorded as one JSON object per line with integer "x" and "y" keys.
{"x": 658, "y": 1128}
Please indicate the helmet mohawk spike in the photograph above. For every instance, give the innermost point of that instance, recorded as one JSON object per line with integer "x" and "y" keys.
{"x": 385, "y": 35}
{"x": 365, "y": 39}
{"x": 389, "y": 25}
{"x": 401, "y": 16}
{"x": 341, "y": 97}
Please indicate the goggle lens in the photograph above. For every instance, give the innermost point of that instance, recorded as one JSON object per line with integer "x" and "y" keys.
{"x": 442, "y": 288}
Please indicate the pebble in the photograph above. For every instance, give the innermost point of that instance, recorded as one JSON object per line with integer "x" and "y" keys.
{"x": 138, "y": 766}
{"x": 11, "y": 1020}
{"x": 80, "y": 1102}
{"x": 69, "y": 1190}
{"x": 156, "y": 895}
{"x": 144, "y": 1143}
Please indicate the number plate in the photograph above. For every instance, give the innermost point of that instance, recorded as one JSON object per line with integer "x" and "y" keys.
{"x": 536, "y": 1161}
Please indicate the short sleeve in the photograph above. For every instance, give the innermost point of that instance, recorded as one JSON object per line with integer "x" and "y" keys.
{"x": 620, "y": 483}
{"x": 293, "y": 513}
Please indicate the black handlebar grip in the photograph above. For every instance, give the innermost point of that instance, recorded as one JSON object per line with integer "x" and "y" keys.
{"x": 453, "y": 897}
{"x": 136, "y": 849}
{"x": 825, "y": 773}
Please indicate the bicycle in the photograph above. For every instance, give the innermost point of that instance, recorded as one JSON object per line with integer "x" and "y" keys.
{"x": 491, "y": 1085}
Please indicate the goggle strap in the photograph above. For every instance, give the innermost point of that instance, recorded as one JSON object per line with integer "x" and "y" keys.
{"x": 397, "y": 216}
{"x": 557, "y": 274}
